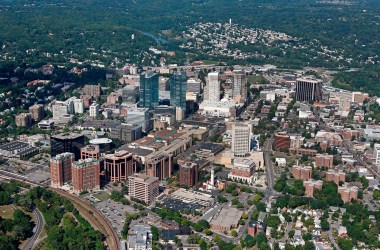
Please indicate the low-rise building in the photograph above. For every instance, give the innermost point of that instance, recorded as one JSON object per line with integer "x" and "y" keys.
{"x": 227, "y": 219}
{"x": 243, "y": 170}
{"x": 301, "y": 172}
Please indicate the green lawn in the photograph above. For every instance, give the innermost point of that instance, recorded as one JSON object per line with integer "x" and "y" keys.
{"x": 6, "y": 212}
{"x": 102, "y": 196}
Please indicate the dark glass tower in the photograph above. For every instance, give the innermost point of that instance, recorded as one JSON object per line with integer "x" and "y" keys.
{"x": 178, "y": 90}
{"x": 148, "y": 89}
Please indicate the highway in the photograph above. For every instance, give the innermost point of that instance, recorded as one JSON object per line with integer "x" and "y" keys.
{"x": 87, "y": 211}
{"x": 39, "y": 226}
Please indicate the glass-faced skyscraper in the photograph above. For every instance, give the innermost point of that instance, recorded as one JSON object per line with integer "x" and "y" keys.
{"x": 178, "y": 90}
{"x": 148, "y": 89}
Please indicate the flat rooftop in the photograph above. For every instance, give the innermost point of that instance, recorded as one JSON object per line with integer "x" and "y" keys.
{"x": 227, "y": 217}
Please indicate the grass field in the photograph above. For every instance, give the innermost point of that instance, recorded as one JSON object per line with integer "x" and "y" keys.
{"x": 6, "y": 212}
{"x": 102, "y": 196}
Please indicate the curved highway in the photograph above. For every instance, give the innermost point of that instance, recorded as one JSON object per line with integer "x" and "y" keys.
{"x": 39, "y": 226}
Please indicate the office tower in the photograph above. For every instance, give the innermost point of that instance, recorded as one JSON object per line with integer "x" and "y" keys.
{"x": 178, "y": 90}
{"x": 241, "y": 139}
{"x": 78, "y": 106}
{"x": 37, "y": 112}
{"x": 85, "y": 175}
{"x": 94, "y": 110}
{"x": 143, "y": 187}
{"x": 148, "y": 89}
{"x": 90, "y": 151}
{"x": 213, "y": 86}
{"x": 308, "y": 89}
{"x": 159, "y": 166}
{"x": 23, "y": 120}
{"x": 66, "y": 142}
{"x": 91, "y": 90}
{"x": 119, "y": 166}
{"x": 188, "y": 174}
{"x": 127, "y": 132}
{"x": 239, "y": 88}
{"x": 60, "y": 169}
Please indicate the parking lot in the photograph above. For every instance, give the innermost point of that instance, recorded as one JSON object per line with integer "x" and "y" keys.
{"x": 115, "y": 213}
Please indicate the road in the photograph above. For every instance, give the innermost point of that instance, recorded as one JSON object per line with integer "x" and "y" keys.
{"x": 93, "y": 216}
{"x": 329, "y": 233}
{"x": 39, "y": 226}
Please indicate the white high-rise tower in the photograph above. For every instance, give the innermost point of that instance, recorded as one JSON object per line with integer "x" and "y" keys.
{"x": 213, "y": 87}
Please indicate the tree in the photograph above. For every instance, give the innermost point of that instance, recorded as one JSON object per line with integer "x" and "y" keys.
{"x": 234, "y": 233}
{"x": 261, "y": 206}
{"x": 345, "y": 243}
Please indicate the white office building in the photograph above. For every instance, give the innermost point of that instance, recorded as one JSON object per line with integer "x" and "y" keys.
{"x": 78, "y": 106}
{"x": 94, "y": 110}
{"x": 213, "y": 85}
{"x": 241, "y": 139}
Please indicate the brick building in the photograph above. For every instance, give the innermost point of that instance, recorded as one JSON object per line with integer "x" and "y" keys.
{"x": 301, "y": 172}
{"x": 85, "y": 175}
{"x": 243, "y": 170}
{"x": 143, "y": 187}
{"x": 348, "y": 193}
{"x": 60, "y": 169}
{"x": 347, "y": 133}
{"x": 91, "y": 90}
{"x": 335, "y": 176}
{"x": 281, "y": 141}
{"x": 119, "y": 166}
{"x": 303, "y": 151}
{"x": 188, "y": 174}
{"x": 311, "y": 185}
{"x": 324, "y": 160}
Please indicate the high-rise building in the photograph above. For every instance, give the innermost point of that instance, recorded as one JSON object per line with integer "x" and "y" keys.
{"x": 213, "y": 86}
{"x": 188, "y": 174}
{"x": 241, "y": 139}
{"x": 37, "y": 112}
{"x": 66, "y": 142}
{"x": 143, "y": 187}
{"x": 85, "y": 175}
{"x": 308, "y": 89}
{"x": 60, "y": 169}
{"x": 127, "y": 132}
{"x": 91, "y": 90}
{"x": 90, "y": 151}
{"x": 159, "y": 166}
{"x": 94, "y": 109}
{"x": 178, "y": 90}
{"x": 149, "y": 89}
{"x": 119, "y": 166}
{"x": 239, "y": 88}
{"x": 23, "y": 120}
{"x": 78, "y": 106}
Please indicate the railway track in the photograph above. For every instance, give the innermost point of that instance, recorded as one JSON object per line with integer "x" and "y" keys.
{"x": 96, "y": 218}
